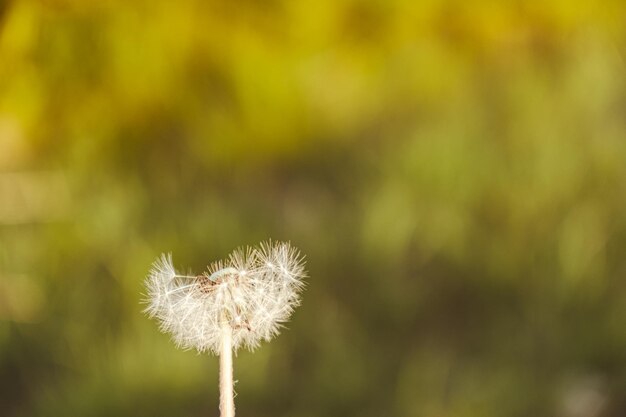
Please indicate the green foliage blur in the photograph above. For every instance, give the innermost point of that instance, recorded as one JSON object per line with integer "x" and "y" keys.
{"x": 454, "y": 171}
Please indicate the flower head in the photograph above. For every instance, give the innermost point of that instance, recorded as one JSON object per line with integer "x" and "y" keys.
{"x": 253, "y": 292}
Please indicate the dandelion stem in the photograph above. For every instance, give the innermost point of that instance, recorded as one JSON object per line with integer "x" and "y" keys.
{"x": 227, "y": 402}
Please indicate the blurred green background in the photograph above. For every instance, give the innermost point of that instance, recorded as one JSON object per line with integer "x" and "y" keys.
{"x": 454, "y": 171}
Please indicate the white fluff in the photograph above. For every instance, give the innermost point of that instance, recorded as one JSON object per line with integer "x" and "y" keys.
{"x": 254, "y": 291}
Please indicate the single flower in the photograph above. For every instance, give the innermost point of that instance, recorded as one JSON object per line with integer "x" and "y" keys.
{"x": 238, "y": 302}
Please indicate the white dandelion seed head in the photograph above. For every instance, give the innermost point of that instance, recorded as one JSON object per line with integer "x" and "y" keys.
{"x": 254, "y": 292}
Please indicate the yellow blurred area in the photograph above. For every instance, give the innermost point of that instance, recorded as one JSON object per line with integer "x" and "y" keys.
{"x": 454, "y": 171}
{"x": 86, "y": 66}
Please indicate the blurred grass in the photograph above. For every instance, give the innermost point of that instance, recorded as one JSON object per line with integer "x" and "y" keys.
{"x": 455, "y": 173}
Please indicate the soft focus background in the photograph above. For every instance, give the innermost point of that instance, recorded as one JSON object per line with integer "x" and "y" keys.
{"x": 454, "y": 171}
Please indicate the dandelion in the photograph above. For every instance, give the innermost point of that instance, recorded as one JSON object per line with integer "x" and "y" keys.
{"x": 239, "y": 302}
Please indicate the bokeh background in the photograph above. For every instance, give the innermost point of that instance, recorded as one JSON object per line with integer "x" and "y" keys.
{"x": 454, "y": 171}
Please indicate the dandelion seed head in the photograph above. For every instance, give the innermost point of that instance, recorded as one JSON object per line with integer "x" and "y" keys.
{"x": 247, "y": 291}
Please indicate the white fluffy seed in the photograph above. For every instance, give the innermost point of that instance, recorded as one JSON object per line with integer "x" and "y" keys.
{"x": 247, "y": 292}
